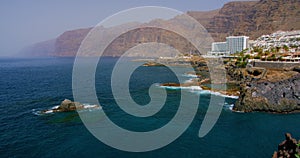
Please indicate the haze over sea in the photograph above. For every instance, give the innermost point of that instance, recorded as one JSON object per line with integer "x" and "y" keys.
{"x": 30, "y": 85}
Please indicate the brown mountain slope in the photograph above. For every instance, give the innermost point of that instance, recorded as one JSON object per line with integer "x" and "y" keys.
{"x": 204, "y": 17}
{"x": 253, "y": 18}
{"x": 68, "y": 43}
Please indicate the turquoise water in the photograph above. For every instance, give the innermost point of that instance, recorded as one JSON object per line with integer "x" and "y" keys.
{"x": 30, "y": 85}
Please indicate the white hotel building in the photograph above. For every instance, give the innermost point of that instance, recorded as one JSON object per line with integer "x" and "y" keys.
{"x": 232, "y": 45}
{"x": 237, "y": 43}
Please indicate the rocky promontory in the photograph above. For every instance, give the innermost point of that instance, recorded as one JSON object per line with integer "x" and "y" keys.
{"x": 151, "y": 63}
{"x": 267, "y": 90}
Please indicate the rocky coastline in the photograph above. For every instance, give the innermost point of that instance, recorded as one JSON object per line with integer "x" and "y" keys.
{"x": 259, "y": 89}
{"x": 267, "y": 90}
{"x": 281, "y": 96}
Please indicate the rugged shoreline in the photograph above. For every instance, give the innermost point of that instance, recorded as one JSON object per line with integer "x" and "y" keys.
{"x": 259, "y": 89}
{"x": 277, "y": 97}
{"x": 267, "y": 90}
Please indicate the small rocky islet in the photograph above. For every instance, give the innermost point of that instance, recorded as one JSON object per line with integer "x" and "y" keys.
{"x": 68, "y": 106}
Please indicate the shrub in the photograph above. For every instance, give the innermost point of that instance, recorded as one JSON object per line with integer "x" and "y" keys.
{"x": 257, "y": 57}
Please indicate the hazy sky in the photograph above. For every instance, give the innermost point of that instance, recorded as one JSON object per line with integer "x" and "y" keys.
{"x": 26, "y": 22}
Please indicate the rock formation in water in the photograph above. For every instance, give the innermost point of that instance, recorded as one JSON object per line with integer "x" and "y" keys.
{"x": 289, "y": 148}
{"x": 66, "y": 106}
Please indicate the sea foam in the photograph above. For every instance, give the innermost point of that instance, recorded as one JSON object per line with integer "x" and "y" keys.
{"x": 190, "y": 75}
{"x": 199, "y": 90}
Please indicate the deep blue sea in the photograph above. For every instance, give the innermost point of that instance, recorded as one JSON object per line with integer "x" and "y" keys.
{"x": 30, "y": 85}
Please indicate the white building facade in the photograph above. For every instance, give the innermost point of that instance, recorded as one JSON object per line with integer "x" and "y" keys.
{"x": 237, "y": 43}
{"x": 232, "y": 45}
{"x": 219, "y": 47}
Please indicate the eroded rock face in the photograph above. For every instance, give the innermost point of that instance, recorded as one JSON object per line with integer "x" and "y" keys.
{"x": 288, "y": 148}
{"x": 280, "y": 96}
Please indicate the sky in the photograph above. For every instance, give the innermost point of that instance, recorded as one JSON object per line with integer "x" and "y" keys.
{"x": 27, "y": 22}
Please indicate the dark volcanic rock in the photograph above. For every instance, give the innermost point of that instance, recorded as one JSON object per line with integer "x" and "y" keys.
{"x": 280, "y": 96}
{"x": 288, "y": 148}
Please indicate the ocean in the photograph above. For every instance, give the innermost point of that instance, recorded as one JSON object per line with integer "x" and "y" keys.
{"x": 30, "y": 85}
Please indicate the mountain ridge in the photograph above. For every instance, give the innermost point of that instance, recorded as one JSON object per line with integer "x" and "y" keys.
{"x": 250, "y": 18}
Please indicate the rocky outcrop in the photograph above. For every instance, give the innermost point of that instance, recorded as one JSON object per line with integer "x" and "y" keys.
{"x": 69, "y": 106}
{"x": 66, "y": 106}
{"x": 280, "y": 96}
{"x": 151, "y": 63}
{"x": 289, "y": 148}
{"x": 172, "y": 84}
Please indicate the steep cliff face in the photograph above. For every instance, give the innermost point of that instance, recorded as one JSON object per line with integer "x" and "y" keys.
{"x": 270, "y": 16}
{"x": 280, "y": 96}
{"x": 232, "y": 19}
{"x": 253, "y": 18}
{"x": 145, "y": 35}
{"x": 68, "y": 43}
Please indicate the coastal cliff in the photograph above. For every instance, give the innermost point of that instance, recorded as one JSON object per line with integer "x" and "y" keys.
{"x": 279, "y": 96}
{"x": 251, "y": 18}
